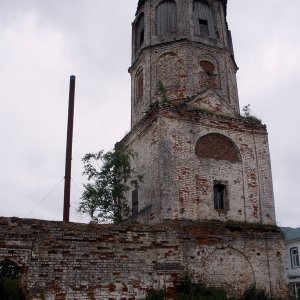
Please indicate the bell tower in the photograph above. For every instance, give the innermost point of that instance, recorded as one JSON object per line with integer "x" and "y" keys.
{"x": 183, "y": 47}
{"x": 201, "y": 160}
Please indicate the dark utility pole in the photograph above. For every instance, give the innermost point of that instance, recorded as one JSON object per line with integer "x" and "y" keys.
{"x": 67, "y": 192}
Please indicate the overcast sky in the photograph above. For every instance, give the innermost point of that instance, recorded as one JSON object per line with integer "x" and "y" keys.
{"x": 43, "y": 42}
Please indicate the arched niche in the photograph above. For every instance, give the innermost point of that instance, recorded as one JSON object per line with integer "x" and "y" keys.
{"x": 217, "y": 146}
{"x": 209, "y": 71}
{"x": 169, "y": 71}
{"x": 228, "y": 267}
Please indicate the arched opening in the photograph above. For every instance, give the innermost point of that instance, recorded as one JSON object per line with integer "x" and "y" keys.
{"x": 10, "y": 281}
{"x": 208, "y": 67}
{"x": 166, "y": 18}
{"x": 139, "y": 32}
{"x": 208, "y": 74}
{"x": 203, "y": 19}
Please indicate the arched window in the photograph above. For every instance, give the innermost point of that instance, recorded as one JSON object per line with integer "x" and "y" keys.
{"x": 139, "y": 32}
{"x": 139, "y": 86}
{"x": 203, "y": 19}
{"x": 219, "y": 196}
{"x": 217, "y": 146}
{"x": 166, "y": 18}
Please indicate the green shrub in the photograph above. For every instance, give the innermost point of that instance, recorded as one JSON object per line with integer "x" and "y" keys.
{"x": 9, "y": 289}
{"x": 201, "y": 292}
{"x": 155, "y": 295}
{"x": 188, "y": 290}
{"x": 254, "y": 293}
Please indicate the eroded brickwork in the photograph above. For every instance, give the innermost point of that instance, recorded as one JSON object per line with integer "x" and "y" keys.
{"x": 215, "y": 146}
{"x": 179, "y": 183}
{"x": 188, "y": 137}
{"x": 186, "y": 62}
{"x": 77, "y": 261}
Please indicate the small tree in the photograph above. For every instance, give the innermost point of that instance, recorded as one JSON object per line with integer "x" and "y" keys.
{"x": 155, "y": 295}
{"x": 248, "y": 115}
{"x": 247, "y": 110}
{"x": 162, "y": 92}
{"x": 104, "y": 196}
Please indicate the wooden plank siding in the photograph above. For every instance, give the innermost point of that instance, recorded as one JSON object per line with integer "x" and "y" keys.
{"x": 166, "y": 18}
{"x": 203, "y": 12}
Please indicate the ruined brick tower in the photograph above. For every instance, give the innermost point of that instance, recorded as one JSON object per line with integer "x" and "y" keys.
{"x": 201, "y": 159}
{"x": 206, "y": 200}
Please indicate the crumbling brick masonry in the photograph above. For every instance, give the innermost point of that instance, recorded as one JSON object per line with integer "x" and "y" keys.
{"x": 79, "y": 261}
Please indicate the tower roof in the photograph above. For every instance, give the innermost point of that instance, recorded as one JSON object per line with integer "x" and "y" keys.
{"x": 142, "y": 2}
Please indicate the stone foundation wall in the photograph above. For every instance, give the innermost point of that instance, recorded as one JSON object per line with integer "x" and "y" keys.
{"x": 79, "y": 261}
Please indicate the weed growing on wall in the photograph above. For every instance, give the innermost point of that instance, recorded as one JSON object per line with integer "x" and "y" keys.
{"x": 247, "y": 114}
{"x": 162, "y": 92}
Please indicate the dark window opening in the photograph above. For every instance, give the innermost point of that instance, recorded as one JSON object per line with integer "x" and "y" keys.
{"x": 135, "y": 204}
{"x": 295, "y": 257}
{"x": 204, "y": 19}
{"x": 142, "y": 37}
{"x": 219, "y": 196}
{"x": 203, "y": 27}
{"x": 203, "y": 22}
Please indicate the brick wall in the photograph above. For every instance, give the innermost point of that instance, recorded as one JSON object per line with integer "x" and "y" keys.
{"x": 178, "y": 183}
{"x": 78, "y": 261}
{"x": 216, "y": 146}
{"x": 179, "y": 61}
